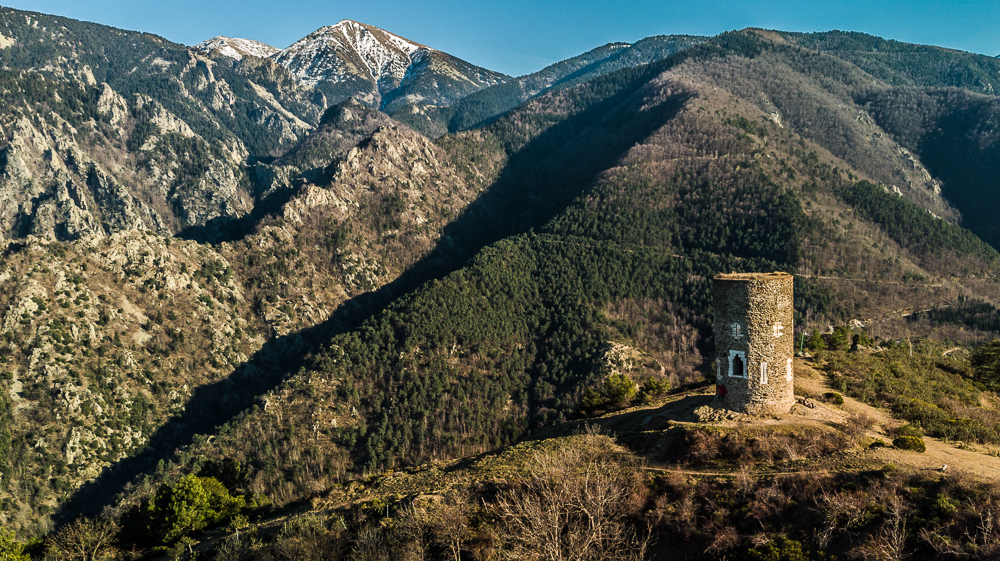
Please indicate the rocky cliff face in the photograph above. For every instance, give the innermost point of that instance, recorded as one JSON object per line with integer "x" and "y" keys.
{"x": 61, "y": 181}
{"x": 52, "y": 188}
{"x": 104, "y": 130}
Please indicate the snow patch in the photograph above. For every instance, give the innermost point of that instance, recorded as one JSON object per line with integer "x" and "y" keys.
{"x": 236, "y": 49}
{"x": 332, "y": 52}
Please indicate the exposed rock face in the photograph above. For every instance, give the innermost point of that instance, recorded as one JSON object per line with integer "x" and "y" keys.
{"x": 60, "y": 182}
{"x": 112, "y": 106}
{"x": 341, "y": 128}
{"x": 50, "y": 188}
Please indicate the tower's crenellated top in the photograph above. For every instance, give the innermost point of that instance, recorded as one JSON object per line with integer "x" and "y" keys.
{"x": 752, "y": 276}
{"x": 754, "y": 341}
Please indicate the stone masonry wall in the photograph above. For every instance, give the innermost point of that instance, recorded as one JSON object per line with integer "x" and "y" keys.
{"x": 753, "y": 327}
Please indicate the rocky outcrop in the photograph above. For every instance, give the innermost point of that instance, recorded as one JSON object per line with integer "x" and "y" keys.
{"x": 62, "y": 183}
{"x": 50, "y": 188}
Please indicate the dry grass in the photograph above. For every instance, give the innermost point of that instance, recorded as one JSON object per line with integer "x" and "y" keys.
{"x": 744, "y": 446}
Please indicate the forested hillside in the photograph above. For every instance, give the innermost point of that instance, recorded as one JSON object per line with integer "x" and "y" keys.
{"x": 642, "y": 185}
{"x": 481, "y": 107}
{"x": 379, "y": 300}
{"x": 954, "y": 132}
{"x": 905, "y": 64}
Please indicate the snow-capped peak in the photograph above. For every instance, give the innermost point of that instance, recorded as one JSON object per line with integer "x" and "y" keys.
{"x": 236, "y": 48}
{"x": 333, "y": 51}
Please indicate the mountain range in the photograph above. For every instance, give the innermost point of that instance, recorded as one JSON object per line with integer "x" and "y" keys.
{"x": 359, "y": 254}
{"x": 351, "y": 59}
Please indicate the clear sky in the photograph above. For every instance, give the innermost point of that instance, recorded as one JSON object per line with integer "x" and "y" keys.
{"x": 520, "y": 36}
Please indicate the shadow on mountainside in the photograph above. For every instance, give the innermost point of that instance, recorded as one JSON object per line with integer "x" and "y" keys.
{"x": 233, "y": 228}
{"x": 540, "y": 180}
{"x": 537, "y": 183}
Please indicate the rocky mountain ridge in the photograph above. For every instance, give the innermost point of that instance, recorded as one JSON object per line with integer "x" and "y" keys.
{"x": 479, "y": 108}
{"x": 387, "y": 69}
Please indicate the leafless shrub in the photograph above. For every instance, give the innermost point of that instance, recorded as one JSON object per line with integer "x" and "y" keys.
{"x": 857, "y": 424}
{"x": 703, "y": 446}
{"x": 725, "y": 538}
{"x": 751, "y": 446}
{"x": 573, "y": 507}
{"x": 677, "y": 508}
{"x": 441, "y": 521}
{"x": 411, "y": 533}
{"x": 306, "y": 539}
{"x": 744, "y": 480}
{"x": 942, "y": 544}
{"x": 371, "y": 544}
{"x": 806, "y": 486}
{"x": 768, "y": 502}
{"x": 85, "y": 539}
{"x": 986, "y": 532}
{"x": 842, "y": 512}
{"x": 889, "y": 543}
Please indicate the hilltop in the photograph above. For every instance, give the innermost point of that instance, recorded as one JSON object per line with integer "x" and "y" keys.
{"x": 827, "y": 480}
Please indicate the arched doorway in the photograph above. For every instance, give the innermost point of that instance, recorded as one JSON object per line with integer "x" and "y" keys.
{"x": 737, "y": 367}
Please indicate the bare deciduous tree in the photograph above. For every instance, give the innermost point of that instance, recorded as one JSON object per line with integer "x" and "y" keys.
{"x": 889, "y": 543}
{"x": 574, "y": 507}
{"x": 842, "y": 512}
{"x": 372, "y": 544}
{"x": 442, "y": 522}
{"x": 85, "y": 539}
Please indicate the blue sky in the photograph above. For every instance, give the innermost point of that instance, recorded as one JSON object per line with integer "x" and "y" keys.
{"x": 521, "y": 36}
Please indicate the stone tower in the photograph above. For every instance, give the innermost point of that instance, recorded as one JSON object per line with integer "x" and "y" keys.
{"x": 754, "y": 342}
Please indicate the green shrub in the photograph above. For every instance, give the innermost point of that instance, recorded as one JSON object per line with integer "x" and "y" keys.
{"x": 834, "y": 398}
{"x": 10, "y": 548}
{"x": 908, "y": 430}
{"x": 985, "y": 362}
{"x": 655, "y": 386}
{"x": 910, "y": 443}
{"x": 189, "y": 505}
{"x": 840, "y": 337}
{"x": 779, "y": 549}
{"x": 619, "y": 388}
{"x": 815, "y": 342}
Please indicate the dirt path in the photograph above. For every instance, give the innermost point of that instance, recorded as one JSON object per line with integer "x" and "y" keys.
{"x": 938, "y": 454}
{"x": 809, "y": 383}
